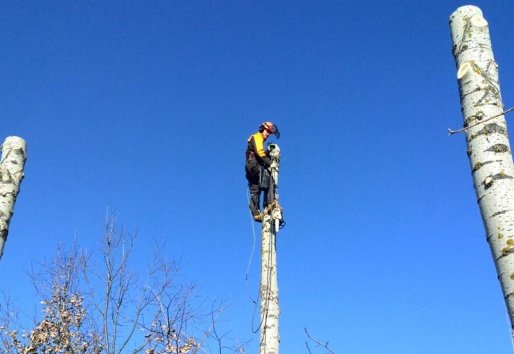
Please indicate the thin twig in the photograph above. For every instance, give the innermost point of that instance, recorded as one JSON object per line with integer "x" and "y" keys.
{"x": 451, "y": 132}
{"x": 318, "y": 342}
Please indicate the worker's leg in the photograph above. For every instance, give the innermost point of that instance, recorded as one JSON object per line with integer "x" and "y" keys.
{"x": 253, "y": 176}
{"x": 268, "y": 196}
{"x": 254, "y": 199}
{"x": 266, "y": 187}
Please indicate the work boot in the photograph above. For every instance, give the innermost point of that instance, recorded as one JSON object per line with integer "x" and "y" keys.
{"x": 258, "y": 217}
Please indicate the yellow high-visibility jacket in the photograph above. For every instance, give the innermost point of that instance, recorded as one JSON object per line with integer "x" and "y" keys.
{"x": 256, "y": 150}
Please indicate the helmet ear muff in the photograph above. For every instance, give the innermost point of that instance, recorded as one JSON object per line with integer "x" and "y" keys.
{"x": 276, "y": 131}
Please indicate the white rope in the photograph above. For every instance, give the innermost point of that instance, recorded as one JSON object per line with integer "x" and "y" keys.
{"x": 255, "y": 302}
{"x": 250, "y": 260}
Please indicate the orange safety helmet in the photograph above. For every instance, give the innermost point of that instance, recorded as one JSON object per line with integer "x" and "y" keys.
{"x": 270, "y": 128}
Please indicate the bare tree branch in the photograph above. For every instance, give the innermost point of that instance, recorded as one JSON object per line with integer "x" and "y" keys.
{"x": 318, "y": 342}
{"x": 93, "y": 302}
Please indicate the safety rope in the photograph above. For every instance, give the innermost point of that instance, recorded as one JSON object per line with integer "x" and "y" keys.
{"x": 250, "y": 260}
{"x": 264, "y": 317}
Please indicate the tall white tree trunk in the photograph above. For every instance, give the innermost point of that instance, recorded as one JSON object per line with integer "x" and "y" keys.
{"x": 11, "y": 175}
{"x": 270, "y": 339}
{"x": 488, "y": 143}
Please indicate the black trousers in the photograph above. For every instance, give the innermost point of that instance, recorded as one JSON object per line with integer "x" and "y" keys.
{"x": 257, "y": 182}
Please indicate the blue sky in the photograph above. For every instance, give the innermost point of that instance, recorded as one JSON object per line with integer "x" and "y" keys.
{"x": 144, "y": 108}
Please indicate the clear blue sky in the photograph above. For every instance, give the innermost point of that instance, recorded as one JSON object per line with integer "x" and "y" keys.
{"x": 144, "y": 108}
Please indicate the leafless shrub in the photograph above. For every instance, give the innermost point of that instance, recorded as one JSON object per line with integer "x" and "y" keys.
{"x": 96, "y": 303}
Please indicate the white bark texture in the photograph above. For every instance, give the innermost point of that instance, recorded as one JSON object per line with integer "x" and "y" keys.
{"x": 488, "y": 143}
{"x": 11, "y": 175}
{"x": 270, "y": 339}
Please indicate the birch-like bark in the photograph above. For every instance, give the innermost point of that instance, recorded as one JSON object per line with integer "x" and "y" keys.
{"x": 270, "y": 339}
{"x": 11, "y": 175}
{"x": 488, "y": 144}
{"x": 271, "y": 222}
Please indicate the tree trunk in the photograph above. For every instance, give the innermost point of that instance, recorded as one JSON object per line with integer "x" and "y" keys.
{"x": 11, "y": 175}
{"x": 271, "y": 223}
{"x": 488, "y": 143}
{"x": 269, "y": 290}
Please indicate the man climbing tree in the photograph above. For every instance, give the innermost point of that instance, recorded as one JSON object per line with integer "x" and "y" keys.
{"x": 257, "y": 165}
